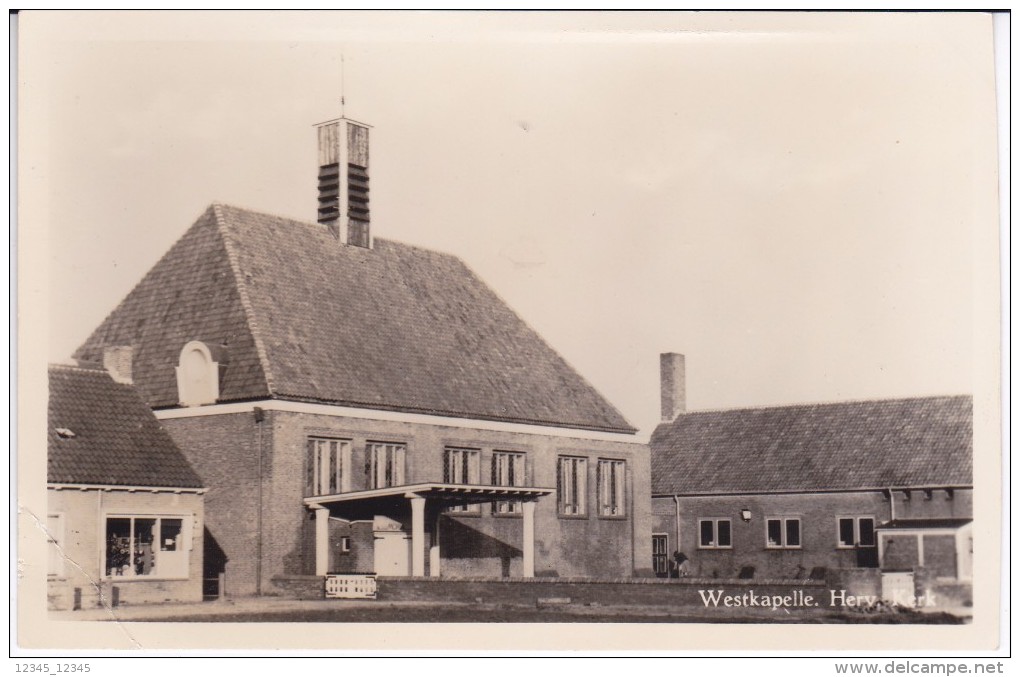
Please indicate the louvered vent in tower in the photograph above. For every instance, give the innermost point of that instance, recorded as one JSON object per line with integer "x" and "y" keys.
{"x": 343, "y": 181}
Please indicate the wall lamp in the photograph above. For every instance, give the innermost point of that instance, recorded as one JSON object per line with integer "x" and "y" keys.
{"x": 745, "y": 515}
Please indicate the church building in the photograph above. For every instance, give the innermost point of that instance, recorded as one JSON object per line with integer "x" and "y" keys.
{"x": 355, "y": 404}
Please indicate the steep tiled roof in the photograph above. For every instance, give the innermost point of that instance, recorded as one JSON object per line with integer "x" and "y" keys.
{"x": 101, "y": 432}
{"x": 304, "y": 317}
{"x": 842, "y": 446}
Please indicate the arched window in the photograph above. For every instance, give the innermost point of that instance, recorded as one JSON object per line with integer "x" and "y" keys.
{"x": 198, "y": 375}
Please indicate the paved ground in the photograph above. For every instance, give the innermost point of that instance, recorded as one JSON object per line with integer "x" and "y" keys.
{"x": 369, "y": 611}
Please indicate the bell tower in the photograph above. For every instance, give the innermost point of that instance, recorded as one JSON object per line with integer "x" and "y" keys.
{"x": 343, "y": 181}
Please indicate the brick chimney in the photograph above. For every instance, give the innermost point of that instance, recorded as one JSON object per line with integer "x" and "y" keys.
{"x": 672, "y": 385}
{"x": 117, "y": 360}
{"x": 343, "y": 181}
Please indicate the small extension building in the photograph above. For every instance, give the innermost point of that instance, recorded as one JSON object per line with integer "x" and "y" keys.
{"x": 796, "y": 491}
{"x": 358, "y": 405}
{"x": 125, "y": 509}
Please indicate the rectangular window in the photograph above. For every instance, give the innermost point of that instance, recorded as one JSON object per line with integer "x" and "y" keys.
{"x": 155, "y": 547}
{"x": 611, "y": 482}
{"x": 329, "y": 466}
{"x": 856, "y": 532}
{"x": 572, "y": 485}
{"x": 55, "y": 544}
{"x": 660, "y": 555}
{"x": 386, "y": 464}
{"x": 866, "y": 531}
{"x": 508, "y": 471}
{"x": 714, "y": 533}
{"x": 462, "y": 466}
{"x": 782, "y": 532}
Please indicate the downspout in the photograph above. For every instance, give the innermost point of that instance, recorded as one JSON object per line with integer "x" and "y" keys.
{"x": 629, "y": 478}
{"x": 259, "y": 417}
{"x": 676, "y": 500}
{"x": 101, "y": 541}
{"x": 892, "y": 504}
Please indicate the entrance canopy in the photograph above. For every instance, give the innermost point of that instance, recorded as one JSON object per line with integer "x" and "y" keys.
{"x": 940, "y": 523}
{"x": 375, "y": 501}
{"x": 422, "y": 497}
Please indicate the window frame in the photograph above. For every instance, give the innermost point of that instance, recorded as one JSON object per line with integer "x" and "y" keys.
{"x": 389, "y": 466}
{"x": 185, "y": 544}
{"x": 714, "y": 545}
{"x": 664, "y": 554}
{"x": 580, "y": 487}
{"x": 840, "y": 545}
{"x": 344, "y": 464}
{"x": 464, "y": 465}
{"x": 784, "y": 521}
{"x": 511, "y": 508}
{"x": 620, "y": 495}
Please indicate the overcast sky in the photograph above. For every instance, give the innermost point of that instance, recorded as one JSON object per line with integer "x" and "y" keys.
{"x": 789, "y": 200}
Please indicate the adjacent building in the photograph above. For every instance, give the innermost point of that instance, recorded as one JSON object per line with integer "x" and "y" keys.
{"x": 355, "y": 404}
{"x": 797, "y": 491}
{"x": 125, "y": 509}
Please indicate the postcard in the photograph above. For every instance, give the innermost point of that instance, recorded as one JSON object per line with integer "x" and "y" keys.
{"x": 630, "y": 330}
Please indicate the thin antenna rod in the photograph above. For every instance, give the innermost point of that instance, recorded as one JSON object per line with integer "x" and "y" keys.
{"x": 342, "y": 102}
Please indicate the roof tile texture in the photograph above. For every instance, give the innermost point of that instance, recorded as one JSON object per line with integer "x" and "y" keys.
{"x": 305, "y": 317}
{"x": 114, "y": 438}
{"x": 841, "y": 446}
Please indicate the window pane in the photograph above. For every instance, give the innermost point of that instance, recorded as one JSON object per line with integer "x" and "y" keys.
{"x": 793, "y": 532}
{"x": 144, "y": 556}
{"x": 118, "y": 546}
{"x": 310, "y": 482}
{"x": 618, "y": 484}
{"x": 170, "y": 534}
{"x": 345, "y": 466}
{"x": 582, "y": 485}
{"x": 474, "y": 466}
{"x": 560, "y": 484}
{"x": 334, "y": 469}
{"x": 867, "y": 529}
{"x": 399, "y": 452}
{"x": 707, "y": 533}
{"x": 723, "y": 527}
{"x": 775, "y": 532}
{"x": 448, "y": 464}
{"x": 846, "y": 531}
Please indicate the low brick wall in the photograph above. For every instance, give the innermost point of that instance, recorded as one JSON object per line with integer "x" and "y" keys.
{"x": 298, "y": 587}
{"x": 643, "y": 592}
{"x": 580, "y": 591}
{"x": 858, "y": 581}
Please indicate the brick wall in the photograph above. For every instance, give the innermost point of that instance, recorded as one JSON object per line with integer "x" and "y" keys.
{"x": 224, "y": 448}
{"x": 818, "y": 515}
{"x": 620, "y": 592}
{"x": 223, "y": 451}
{"x": 482, "y": 544}
{"x": 84, "y": 543}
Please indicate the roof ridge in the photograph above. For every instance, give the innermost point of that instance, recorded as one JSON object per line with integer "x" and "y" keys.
{"x": 834, "y": 403}
{"x": 242, "y": 290}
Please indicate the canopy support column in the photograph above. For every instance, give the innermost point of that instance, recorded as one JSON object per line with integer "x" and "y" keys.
{"x": 434, "y": 550}
{"x": 417, "y": 536}
{"x": 321, "y": 541}
{"x": 528, "y": 547}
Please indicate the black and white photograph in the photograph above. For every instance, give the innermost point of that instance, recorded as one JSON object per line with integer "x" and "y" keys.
{"x": 648, "y": 330}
